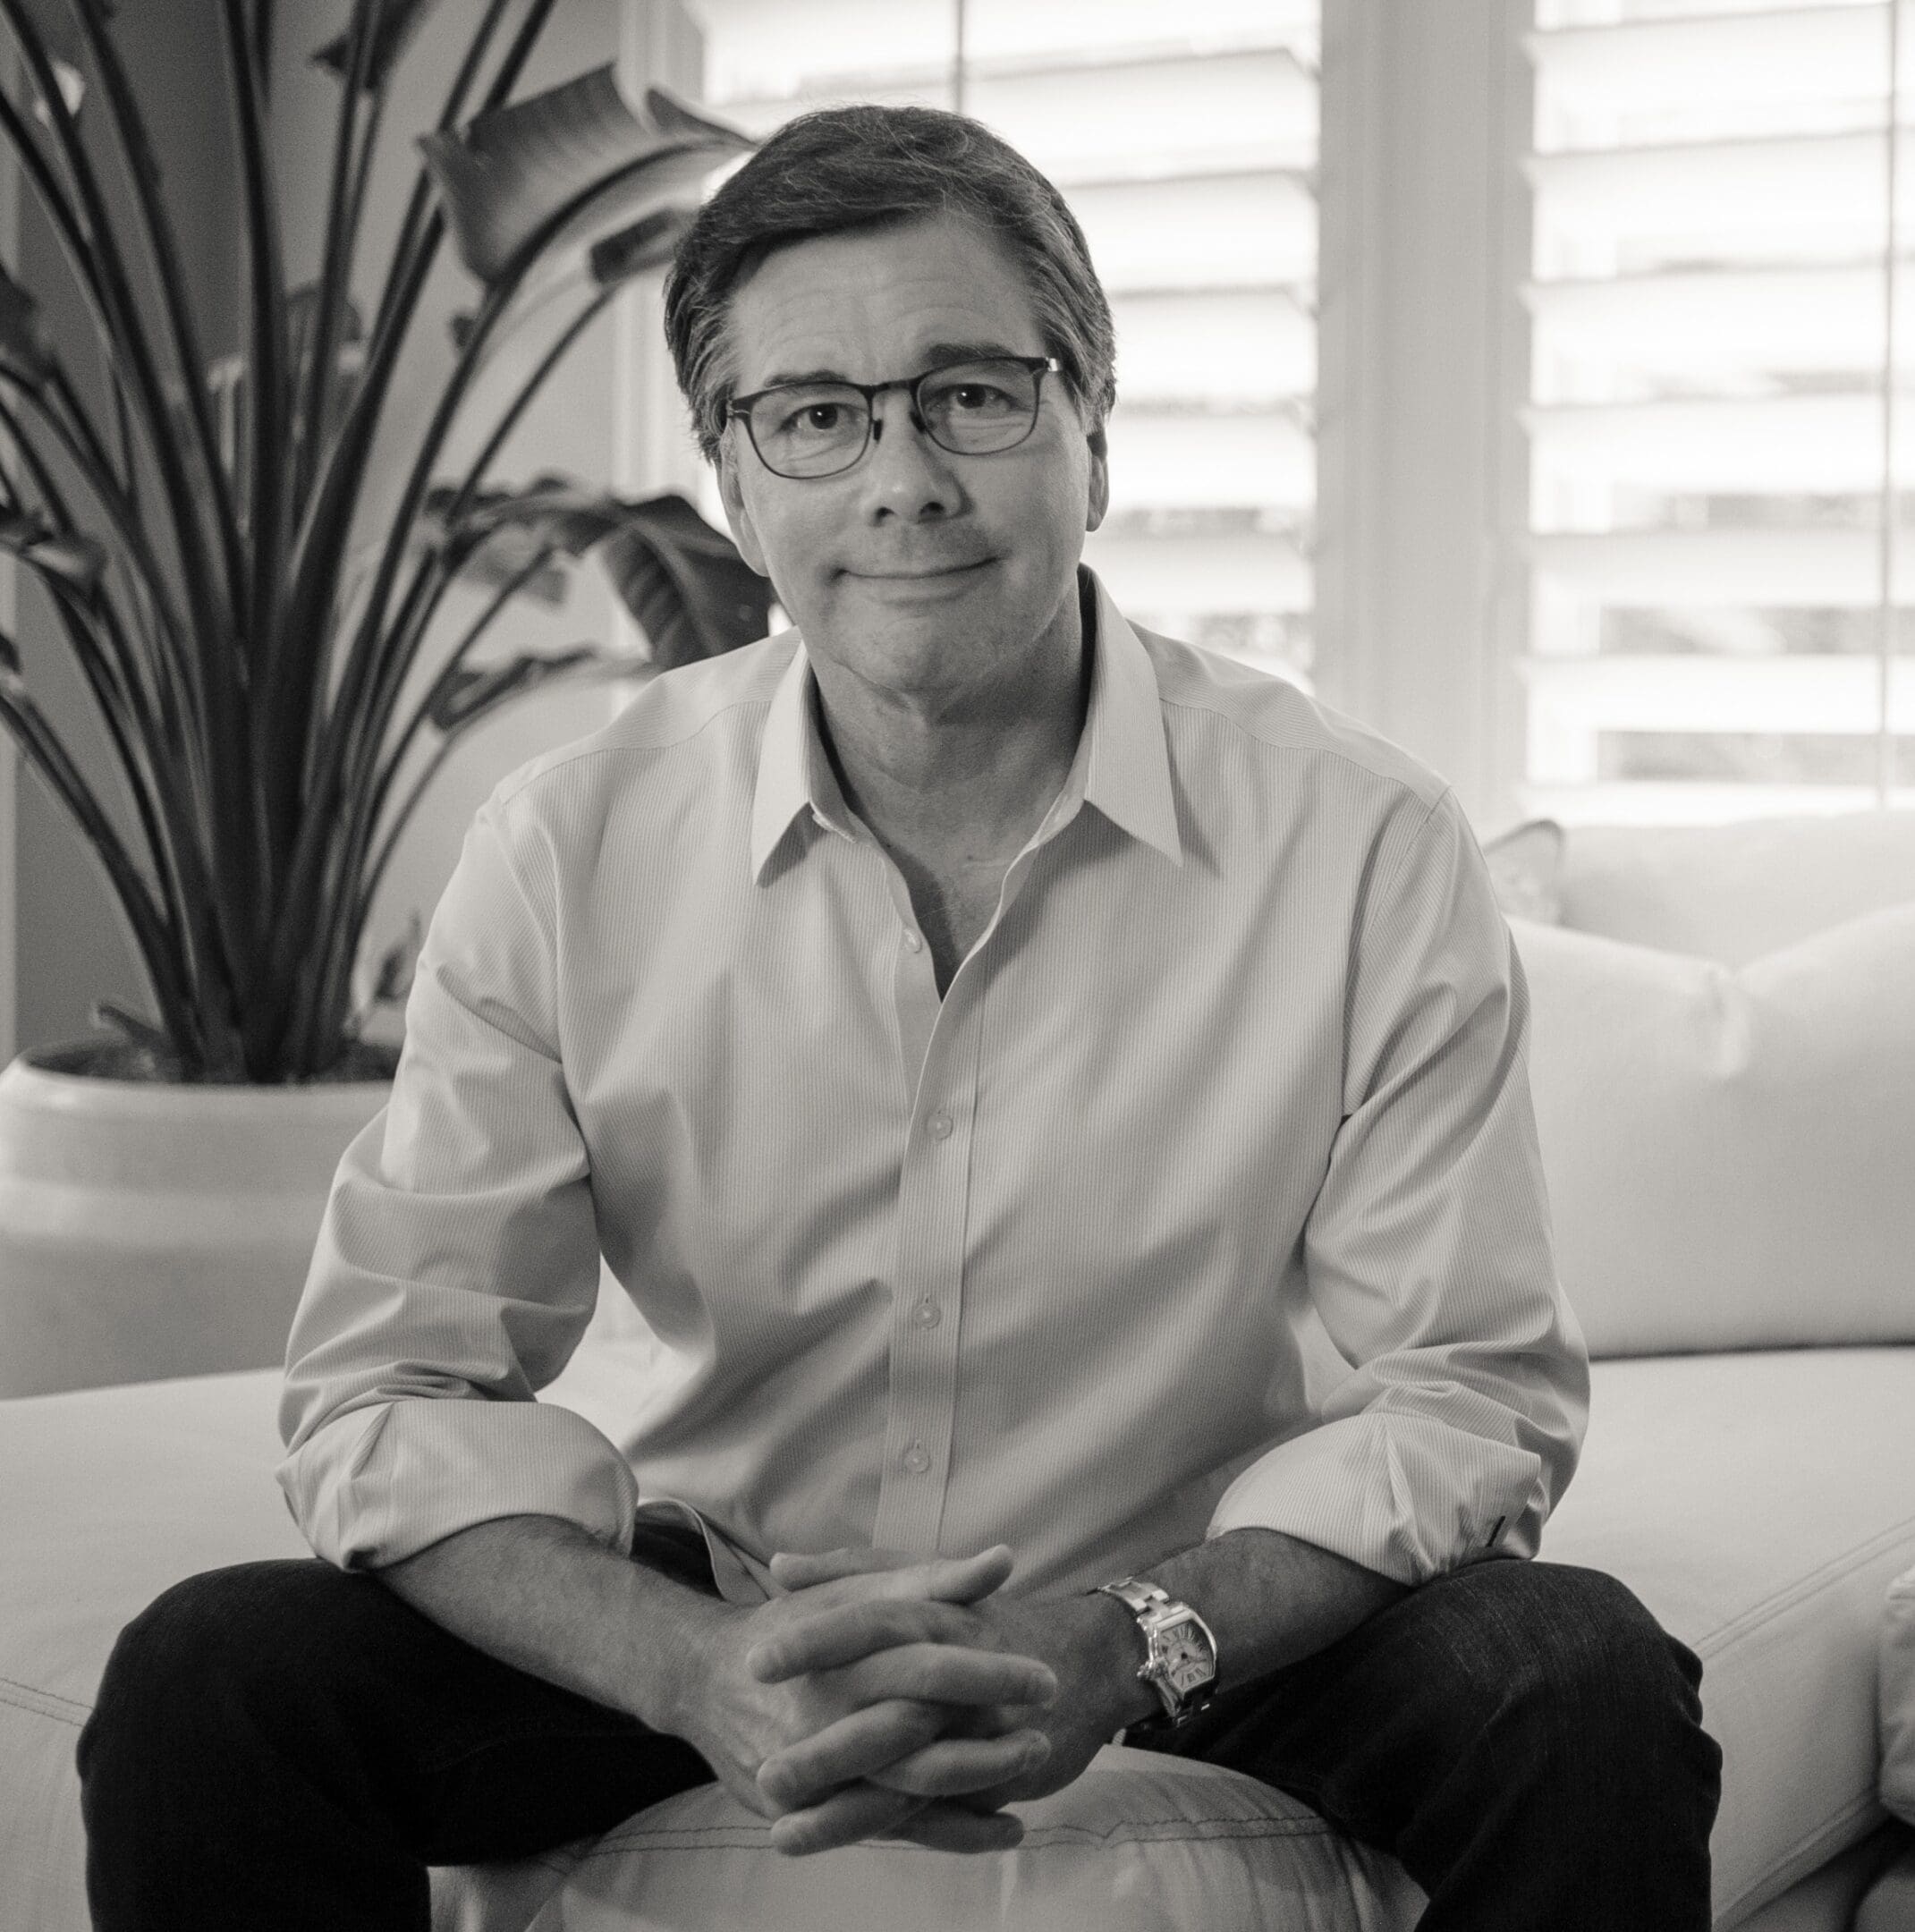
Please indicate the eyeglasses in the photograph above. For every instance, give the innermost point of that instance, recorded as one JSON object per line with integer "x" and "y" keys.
{"x": 808, "y": 429}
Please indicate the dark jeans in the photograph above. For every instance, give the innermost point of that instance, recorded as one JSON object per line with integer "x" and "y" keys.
{"x": 284, "y": 1746}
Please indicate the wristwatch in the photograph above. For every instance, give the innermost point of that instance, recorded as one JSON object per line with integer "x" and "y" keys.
{"x": 1180, "y": 1654}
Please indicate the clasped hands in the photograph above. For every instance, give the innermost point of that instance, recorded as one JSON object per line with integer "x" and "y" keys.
{"x": 891, "y": 1697}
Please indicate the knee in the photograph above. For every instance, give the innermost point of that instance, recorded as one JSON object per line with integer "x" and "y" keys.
{"x": 1582, "y": 1671}
{"x": 213, "y": 1651}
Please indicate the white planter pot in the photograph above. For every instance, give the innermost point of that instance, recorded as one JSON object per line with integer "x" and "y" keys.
{"x": 149, "y": 1230}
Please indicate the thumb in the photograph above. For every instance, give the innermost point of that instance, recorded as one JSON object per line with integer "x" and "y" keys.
{"x": 797, "y": 1570}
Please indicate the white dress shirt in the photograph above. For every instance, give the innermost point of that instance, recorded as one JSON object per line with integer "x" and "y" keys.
{"x": 1030, "y": 1263}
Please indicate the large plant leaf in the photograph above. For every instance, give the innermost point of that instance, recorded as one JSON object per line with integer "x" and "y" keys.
{"x": 692, "y": 594}
{"x": 399, "y": 20}
{"x": 499, "y": 528}
{"x": 686, "y": 583}
{"x": 648, "y": 244}
{"x": 471, "y": 691}
{"x": 76, "y": 560}
{"x": 575, "y": 157}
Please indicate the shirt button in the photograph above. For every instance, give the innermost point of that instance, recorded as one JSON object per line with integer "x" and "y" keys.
{"x": 940, "y": 1126}
{"x": 915, "y": 1459}
{"x": 912, "y": 941}
{"x": 929, "y": 1314}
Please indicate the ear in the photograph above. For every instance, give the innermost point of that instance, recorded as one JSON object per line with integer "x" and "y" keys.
{"x": 738, "y": 513}
{"x": 1099, "y": 482}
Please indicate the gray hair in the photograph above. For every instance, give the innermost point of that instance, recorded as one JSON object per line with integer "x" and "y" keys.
{"x": 868, "y": 166}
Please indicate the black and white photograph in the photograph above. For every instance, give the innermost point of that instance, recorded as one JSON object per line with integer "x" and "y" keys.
{"x": 957, "y": 965}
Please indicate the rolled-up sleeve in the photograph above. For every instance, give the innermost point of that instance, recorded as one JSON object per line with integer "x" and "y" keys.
{"x": 457, "y": 1265}
{"x": 1428, "y": 1252}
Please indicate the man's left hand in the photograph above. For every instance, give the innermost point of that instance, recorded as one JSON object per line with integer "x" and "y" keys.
{"x": 1083, "y": 1638}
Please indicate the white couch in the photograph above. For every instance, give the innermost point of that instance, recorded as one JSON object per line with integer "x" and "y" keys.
{"x": 1724, "y": 1065}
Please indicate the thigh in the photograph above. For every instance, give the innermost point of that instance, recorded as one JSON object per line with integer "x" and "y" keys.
{"x": 300, "y": 1676}
{"x": 1502, "y": 1670}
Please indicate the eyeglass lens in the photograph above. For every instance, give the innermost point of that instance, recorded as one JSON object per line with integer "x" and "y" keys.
{"x": 972, "y": 409}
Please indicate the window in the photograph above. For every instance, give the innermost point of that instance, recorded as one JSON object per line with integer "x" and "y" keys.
{"x": 1722, "y": 599}
{"x": 1185, "y": 141}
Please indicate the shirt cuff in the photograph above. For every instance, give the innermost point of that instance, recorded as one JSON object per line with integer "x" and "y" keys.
{"x": 1402, "y": 1495}
{"x": 381, "y": 1483}
{"x": 739, "y": 1577}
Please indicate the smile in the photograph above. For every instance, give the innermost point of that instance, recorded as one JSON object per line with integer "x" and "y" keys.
{"x": 921, "y": 576}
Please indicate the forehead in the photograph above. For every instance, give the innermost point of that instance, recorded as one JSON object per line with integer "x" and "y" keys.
{"x": 868, "y": 305}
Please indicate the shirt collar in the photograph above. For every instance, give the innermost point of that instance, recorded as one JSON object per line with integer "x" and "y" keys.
{"x": 1122, "y": 765}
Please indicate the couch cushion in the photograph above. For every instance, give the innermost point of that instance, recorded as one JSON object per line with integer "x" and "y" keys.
{"x": 1759, "y": 1505}
{"x": 1898, "y": 1698}
{"x": 1735, "y": 892}
{"x": 1137, "y": 1844}
{"x": 107, "y": 1496}
{"x": 1728, "y": 1152}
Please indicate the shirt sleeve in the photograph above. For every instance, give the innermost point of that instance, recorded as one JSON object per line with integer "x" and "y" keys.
{"x": 457, "y": 1264}
{"x": 1427, "y": 1251}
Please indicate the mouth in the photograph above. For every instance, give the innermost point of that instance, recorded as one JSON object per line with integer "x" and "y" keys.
{"x": 919, "y": 574}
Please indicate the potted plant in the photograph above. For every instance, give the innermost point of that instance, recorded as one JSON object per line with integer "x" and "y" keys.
{"x": 247, "y": 643}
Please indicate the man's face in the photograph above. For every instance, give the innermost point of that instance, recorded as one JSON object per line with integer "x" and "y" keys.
{"x": 917, "y": 571}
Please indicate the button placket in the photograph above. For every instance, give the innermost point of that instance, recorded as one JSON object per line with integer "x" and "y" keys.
{"x": 932, "y": 1214}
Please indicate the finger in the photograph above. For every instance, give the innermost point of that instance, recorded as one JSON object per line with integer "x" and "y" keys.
{"x": 935, "y": 1674}
{"x": 841, "y": 1634}
{"x": 898, "y": 1744}
{"x": 906, "y": 1636}
{"x": 940, "y": 1673}
{"x": 951, "y": 1766}
{"x": 941, "y": 1578}
{"x": 952, "y": 1829}
{"x": 848, "y": 1816}
{"x": 797, "y": 1571}
{"x": 843, "y": 1752}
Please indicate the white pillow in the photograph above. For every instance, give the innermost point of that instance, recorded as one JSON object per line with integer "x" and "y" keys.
{"x": 1141, "y": 1842}
{"x": 1729, "y": 1154}
{"x": 1735, "y": 892}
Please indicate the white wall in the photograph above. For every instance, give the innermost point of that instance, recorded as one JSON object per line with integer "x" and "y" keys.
{"x": 1423, "y": 350}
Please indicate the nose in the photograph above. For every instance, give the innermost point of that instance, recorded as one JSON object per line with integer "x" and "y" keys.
{"x": 904, "y": 474}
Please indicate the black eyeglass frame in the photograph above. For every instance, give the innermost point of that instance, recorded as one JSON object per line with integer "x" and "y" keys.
{"x": 738, "y": 408}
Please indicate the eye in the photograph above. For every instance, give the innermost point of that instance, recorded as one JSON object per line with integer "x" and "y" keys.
{"x": 976, "y": 396}
{"x": 812, "y": 418}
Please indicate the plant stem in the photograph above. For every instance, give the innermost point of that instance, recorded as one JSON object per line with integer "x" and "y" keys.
{"x": 336, "y": 258}
{"x": 151, "y": 932}
{"x": 163, "y": 251}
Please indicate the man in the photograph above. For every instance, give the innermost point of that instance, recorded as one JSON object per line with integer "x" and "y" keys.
{"x": 977, "y": 1038}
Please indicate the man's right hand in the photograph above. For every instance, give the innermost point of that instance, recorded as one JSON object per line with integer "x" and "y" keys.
{"x": 899, "y": 1699}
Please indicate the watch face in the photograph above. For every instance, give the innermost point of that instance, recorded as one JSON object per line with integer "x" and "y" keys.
{"x": 1189, "y": 1662}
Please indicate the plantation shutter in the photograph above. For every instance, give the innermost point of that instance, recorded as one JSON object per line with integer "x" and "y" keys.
{"x": 1185, "y": 139}
{"x": 1720, "y": 579}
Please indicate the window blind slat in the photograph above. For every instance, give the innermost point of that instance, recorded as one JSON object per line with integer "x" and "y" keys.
{"x": 1767, "y": 566}
{"x": 1781, "y": 444}
{"x": 1708, "y": 414}
{"x": 1818, "y": 316}
{"x": 1717, "y": 694}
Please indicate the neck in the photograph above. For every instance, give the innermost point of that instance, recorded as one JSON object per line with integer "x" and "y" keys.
{"x": 965, "y": 775}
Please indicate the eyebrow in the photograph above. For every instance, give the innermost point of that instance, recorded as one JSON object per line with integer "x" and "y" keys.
{"x": 940, "y": 355}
